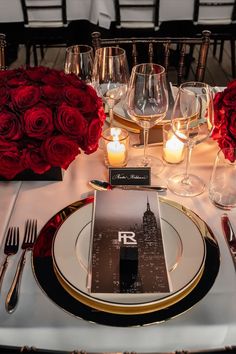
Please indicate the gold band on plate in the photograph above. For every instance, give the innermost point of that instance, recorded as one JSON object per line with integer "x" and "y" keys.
{"x": 128, "y": 310}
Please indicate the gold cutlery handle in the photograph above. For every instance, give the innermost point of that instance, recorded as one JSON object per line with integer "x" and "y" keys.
{"x": 13, "y": 294}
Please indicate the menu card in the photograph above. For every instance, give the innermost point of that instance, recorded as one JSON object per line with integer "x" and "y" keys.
{"x": 127, "y": 253}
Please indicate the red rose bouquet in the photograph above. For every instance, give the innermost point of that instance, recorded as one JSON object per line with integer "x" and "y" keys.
{"x": 46, "y": 118}
{"x": 225, "y": 119}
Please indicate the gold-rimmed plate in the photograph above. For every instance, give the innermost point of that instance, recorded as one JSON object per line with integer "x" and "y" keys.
{"x": 185, "y": 257}
{"x": 43, "y": 268}
{"x": 122, "y": 118}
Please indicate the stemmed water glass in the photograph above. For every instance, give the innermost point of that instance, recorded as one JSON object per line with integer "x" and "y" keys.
{"x": 192, "y": 123}
{"x": 79, "y": 60}
{"x": 110, "y": 76}
{"x": 147, "y": 104}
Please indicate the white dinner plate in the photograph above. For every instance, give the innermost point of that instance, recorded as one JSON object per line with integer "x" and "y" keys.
{"x": 184, "y": 249}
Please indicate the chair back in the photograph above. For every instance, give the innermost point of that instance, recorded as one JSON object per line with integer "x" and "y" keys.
{"x": 2, "y": 51}
{"x": 159, "y": 50}
{"x": 214, "y": 12}
{"x": 44, "y": 13}
{"x": 137, "y": 14}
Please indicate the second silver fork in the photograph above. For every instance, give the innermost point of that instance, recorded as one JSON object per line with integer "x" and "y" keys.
{"x": 10, "y": 249}
{"x": 27, "y": 245}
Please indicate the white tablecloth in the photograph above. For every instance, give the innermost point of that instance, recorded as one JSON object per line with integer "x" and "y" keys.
{"x": 102, "y": 12}
{"x": 11, "y": 11}
{"x": 39, "y": 322}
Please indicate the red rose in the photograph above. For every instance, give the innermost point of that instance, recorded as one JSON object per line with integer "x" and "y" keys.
{"x": 229, "y": 154}
{"x": 16, "y": 82}
{"x": 72, "y": 79}
{"x": 6, "y": 75}
{"x": 25, "y": 97}
{"x": 226, "y": 142}
{"x": 18, "y": 79}
{"x": 54, "y": 78}
{"x": 38, "y": 122}
{"x": 81, "y": 99}
{"x": 232, "y": 124}
{"x": 229, "y": 98}
{"x": 93, "y": 93}
{"x": 218, "y": 100}
{"x": 232, "y": 85}
{"x": 33, "y": 159}
{"x": 92, "y": 137}
{"x": 10, "y": 160}
{"x": 10, "y": 126}
{"x": 59, "y": 150}
{"x": 51, "y": 95}
{"x": 101, "y": 114}
{"x": 3, "y": 96}
{"x": 37, "y": 73}
{"x": 71, "y": 122}
{"x": 220, "y": 117}
{"x": 224, "y": 130}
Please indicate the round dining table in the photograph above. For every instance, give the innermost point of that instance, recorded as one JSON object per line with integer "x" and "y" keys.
{"x": 102, "y": 12}
{"x": 39, "y": 322}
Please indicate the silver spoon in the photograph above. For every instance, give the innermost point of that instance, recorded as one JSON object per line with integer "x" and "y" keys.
{"x": 102, "y": 185}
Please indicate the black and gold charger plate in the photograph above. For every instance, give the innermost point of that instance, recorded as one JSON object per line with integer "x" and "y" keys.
{"x": 43, "y": 268}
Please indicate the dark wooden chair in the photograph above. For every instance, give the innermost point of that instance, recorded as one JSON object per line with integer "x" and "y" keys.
{"x": 219, "y": 17}
{"x": 160, "y": 50}
{"x": 2, "y": 51}
{"x": 44, "y": 26}
{"x": 129, "y": 14}
{"x": 129, "y": 22}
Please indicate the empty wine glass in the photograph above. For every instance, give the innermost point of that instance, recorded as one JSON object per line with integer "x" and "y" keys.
{"x": 147, "y": 104}
{"x": 110, "y": 75}
{"x": 79, "y": 60}
{"x": 222, "y": 186}
{"x": 192, "y": 123}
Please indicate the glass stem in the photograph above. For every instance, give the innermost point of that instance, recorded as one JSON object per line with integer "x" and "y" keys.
{"x": 111, "y": 116}
{"x": 188, "y": 158}
{"x": 145, "y": 141}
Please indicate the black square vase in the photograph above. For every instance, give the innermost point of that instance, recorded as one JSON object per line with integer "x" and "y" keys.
{"x": 54, "y": 174}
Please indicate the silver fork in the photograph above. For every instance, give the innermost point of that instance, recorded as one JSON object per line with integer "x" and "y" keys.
{"x": 27, "y": 245}
{"x": 10, "y": 248}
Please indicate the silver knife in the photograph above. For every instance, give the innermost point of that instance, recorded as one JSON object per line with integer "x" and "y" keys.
{"x": 229, "y": 236}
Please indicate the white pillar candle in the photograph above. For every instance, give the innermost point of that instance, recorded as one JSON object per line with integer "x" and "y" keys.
{"x": 116, "y": 153}
{"x": 173, "y": 150}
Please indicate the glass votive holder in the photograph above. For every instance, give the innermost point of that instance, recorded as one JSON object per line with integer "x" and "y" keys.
{"x": 222, "y": 186}
{"x": 173, "y": 148}
{"x": 115, "y": 144}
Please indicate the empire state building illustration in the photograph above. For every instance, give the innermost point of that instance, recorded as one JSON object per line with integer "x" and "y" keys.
{"x": 152, "y": 258}
{"x": 128, "y": 253}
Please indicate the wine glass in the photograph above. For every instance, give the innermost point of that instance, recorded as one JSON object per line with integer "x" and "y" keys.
{"x": 222, "y": 186}
{"x": 79, "y": 60}
{"x": 192, "y": 123}
{"x": 147, "y": 104}
{"x": 110, "y": 75}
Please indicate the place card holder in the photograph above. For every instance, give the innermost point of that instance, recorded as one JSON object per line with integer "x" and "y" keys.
{"x": 130, "y": 176}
